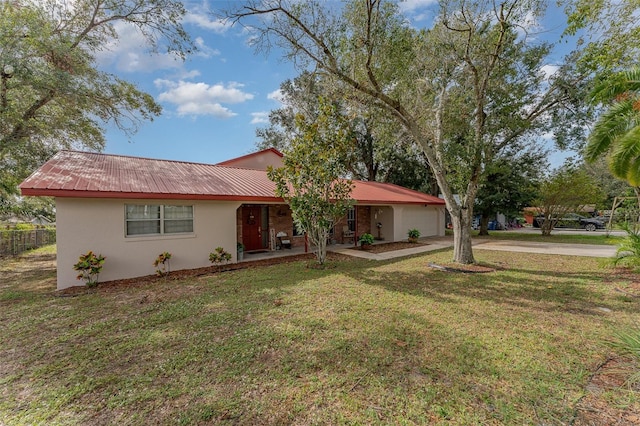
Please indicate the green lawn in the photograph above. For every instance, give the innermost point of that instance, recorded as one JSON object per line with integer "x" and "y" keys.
{"x": 357, "y": 343}
{"x": 594, "y": 238}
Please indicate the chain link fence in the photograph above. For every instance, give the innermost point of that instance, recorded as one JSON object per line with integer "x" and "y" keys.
{"x": 14, "y": 241}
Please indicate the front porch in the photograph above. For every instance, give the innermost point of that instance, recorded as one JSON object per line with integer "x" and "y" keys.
{"x": 269, "y": 228}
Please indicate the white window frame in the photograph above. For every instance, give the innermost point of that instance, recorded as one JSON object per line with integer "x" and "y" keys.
{"x": 352, "y": 218}
{"x": 161, "y": 219}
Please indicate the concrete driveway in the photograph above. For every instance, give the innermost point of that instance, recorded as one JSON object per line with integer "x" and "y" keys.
{"x": 437, "y": 243}
{"x": 589, "y": 250}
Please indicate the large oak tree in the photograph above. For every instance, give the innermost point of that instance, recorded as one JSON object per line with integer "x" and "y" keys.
{"x": 52, "y": 94}
{"x": 463, "y": 90}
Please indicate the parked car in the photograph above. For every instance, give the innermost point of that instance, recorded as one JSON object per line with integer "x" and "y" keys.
{"x": 573, "y": 220}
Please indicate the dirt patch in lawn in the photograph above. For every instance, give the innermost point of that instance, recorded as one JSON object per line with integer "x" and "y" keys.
{"x": 631, "y": 281}
{"x": 594, "y": 409}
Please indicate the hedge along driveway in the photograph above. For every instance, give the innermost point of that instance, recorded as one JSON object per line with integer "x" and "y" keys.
{"x": 357, "y": 342}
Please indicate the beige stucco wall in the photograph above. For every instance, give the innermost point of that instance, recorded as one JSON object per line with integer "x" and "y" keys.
{"x": 258, "y": 162}
{"x": 383, "y": 215}
{"x": 99, "y": 225}
{"x": 429, "y": 220}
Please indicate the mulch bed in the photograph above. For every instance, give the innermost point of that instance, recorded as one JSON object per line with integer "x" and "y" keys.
{"x": 117, "y": 285}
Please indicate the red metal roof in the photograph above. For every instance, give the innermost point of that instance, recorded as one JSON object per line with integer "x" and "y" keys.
{"x": 92, "y": 175}
{"x": 366, "y": 192}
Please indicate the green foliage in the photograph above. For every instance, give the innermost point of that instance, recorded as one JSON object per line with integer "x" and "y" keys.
{"x": 28, "y": 207}
{"x": 413, "y": 234}
{"x": 311, "y": 180}
{"x": 628, "y": 342}
{"x": 366, "y": 239}
{"x": 240, "y": 247}
{"x": 567, "y": 190}
{"x": 56, "y": 97}
{"x": 628, "y": 253}
{"x": 162, "y": 264}
{"x": 508, "y": 184}
{"x": 616, "y": 134}
{"x": 608, "y": 33}
{"x": 219, "y": 257}
{"x": 24, "y": 227}
{"x": 379, "y": 150}
{"x": 89, "y": 265}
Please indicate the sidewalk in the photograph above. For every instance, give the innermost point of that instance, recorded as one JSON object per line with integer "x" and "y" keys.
{"x": 431, "y": 245}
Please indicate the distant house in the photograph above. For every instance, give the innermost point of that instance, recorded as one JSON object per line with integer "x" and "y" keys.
{"x": 38, "y": 220}
{"x": 131, "y": 209}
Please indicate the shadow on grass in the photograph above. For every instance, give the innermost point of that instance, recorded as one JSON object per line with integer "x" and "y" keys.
{"x": 549, "y": 290}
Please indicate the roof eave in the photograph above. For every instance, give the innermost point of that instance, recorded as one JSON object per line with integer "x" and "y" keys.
{"x": 144, "y": 195}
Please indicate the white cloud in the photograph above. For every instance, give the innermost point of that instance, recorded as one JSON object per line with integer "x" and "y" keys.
{"x": 214, "y": 109}
{"x": 204, "y": 51}
{"x": 549, "y": 70}
{"x": 411, "y": 5}
{"x": 201, "y": 19}
{"x": 260, "y": 117}
{"x": 276, "y": 95}
{"x": 130, "y": 52}
{"x": 190, "y": 74}
{"x": 201, "y": 98}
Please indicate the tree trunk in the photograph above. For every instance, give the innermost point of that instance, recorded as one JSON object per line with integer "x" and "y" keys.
{"x": 547, "y": 226}
{"x": 462, "y": 251}
{"x": 484, "y": 225}
{"x": 318, "y": 239}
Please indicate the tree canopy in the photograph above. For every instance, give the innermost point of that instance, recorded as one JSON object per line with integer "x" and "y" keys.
{"x": 52, "y": 94}
{"x": 311, "y": 179}
{"x": 568, "y": 189}
{"x": 616, "y": 133}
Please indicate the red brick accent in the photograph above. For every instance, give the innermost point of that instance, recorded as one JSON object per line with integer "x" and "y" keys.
{"x": 281, "y": 221}
{"x": 363, "y": 220}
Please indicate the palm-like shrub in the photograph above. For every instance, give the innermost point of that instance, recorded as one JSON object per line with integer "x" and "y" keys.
{"x": 628, "y": 342}
{"x": 628, "y": 253}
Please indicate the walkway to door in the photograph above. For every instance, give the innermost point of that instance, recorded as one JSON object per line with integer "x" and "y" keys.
{"x": 438, "y": 243}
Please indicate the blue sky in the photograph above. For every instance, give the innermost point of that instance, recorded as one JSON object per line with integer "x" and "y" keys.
{"x": 214, "y": 101}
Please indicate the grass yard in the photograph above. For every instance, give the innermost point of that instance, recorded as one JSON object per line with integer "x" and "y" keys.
{"x": 357, "y": 343}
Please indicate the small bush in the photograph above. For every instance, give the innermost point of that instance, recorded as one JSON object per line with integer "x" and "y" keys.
{"x": 162, "y": 264}
{"x": 90, "y": 267}
{"x": 366, "y": 239}
{"x": 219, "y": 257}
{"x": 413, "y": 234}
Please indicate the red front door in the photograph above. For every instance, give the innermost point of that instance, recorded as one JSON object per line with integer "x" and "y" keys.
{"x": 251, "y": 228}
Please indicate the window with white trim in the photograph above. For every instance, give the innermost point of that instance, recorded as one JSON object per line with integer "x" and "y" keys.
{"x": 158, "y": 219}
{"x": 351, "y": 219}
